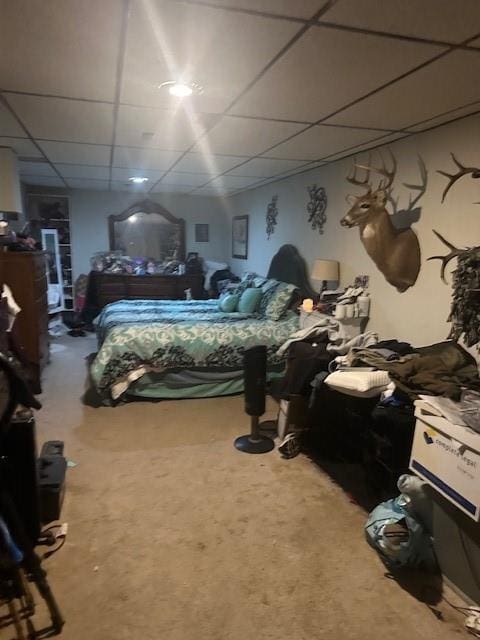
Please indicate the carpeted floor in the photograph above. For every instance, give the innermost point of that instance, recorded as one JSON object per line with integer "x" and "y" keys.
{"x": 175, "y": 535}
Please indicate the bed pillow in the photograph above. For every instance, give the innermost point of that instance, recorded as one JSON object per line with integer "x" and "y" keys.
{"x": 276, "y": 299}
{"x": 249, "y": 300}
{"x": 229, "y": 302}
{"x": 364, "y": 384}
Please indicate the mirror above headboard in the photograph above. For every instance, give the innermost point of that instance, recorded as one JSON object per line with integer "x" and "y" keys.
{"x": 149, "y": 230}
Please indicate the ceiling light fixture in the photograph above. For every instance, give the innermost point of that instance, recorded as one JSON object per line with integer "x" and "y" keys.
{"x": 138, "y": 180}
{"x": 181, "y": 89}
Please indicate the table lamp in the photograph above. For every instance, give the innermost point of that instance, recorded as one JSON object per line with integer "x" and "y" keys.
{"x": 325, "y": 271}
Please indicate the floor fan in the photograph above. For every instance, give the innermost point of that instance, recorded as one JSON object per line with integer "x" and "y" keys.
{"x": 255, "y": 383}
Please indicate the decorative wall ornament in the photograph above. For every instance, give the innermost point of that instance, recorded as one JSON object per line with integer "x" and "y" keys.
{"x": 465, "y": 309}
{"x": 453, "y": 177}
{"x": 316, "y": 208}
{"x": 396, "y": 252}
{"x": 271, "y": 217}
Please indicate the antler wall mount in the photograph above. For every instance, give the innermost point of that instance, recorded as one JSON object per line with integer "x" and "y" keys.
{"x": 396, "y": 252}
{"x": 462, "y": 171}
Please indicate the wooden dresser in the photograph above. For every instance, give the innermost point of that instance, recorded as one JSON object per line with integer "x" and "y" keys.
{"x": 25, "y": 274}
{"x": 104, "y": 288}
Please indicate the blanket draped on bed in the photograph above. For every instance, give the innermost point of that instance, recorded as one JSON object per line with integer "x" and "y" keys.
{"x": 141, "y": 336}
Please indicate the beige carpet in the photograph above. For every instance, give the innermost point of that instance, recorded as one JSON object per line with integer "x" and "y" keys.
{"x": 174, "y": 535}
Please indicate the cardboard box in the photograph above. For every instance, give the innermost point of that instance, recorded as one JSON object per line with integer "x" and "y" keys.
{"x": 447, "y": 456}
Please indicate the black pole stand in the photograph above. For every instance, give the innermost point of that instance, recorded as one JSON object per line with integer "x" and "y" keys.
{"x": 254, "y": 442}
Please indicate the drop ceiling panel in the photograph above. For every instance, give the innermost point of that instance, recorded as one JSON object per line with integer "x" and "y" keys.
{"x": 160, "y": 128}
{"x": 83, "y": 172}
{"x": 69, "y": 120}
{"x": 121, "y": 185}
{"x": 327, "y": 69}
{"x": 431, "y": 19}
{"x": 298, "y": 9}
{"x": 94, "y": 185}
{"x": 125, "y": 174}
{"x": 171, "y": 188}
{"x": 44, "y": 181}
{"x": 232, "y": 182}
{"x": 76, "y": 153}
{"x": 36, "y": 169}
{"x": 207, "y": 163}
{"x": 8, "y": 124}
{"x": 144, "y": 158}
{"x": 65, "y": 47}
{"x": 368, "y": 145}
{"x": 186, "y": 179}
{"x": 320, "y": 141}
{"x": 23, "y": 147}
{"x": 446, "y": 117}
{"x": 246, "y": 137}
{"x": 445, "y": 84}
{"x": 221, "y": 50}
{"x": 265, "y": 167}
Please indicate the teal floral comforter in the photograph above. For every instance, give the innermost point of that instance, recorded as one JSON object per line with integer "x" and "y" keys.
{"x": 141, "y": 336}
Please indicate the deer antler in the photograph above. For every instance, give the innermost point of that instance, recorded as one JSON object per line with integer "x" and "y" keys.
{"x": 383, "y": 171}
{"x": 356, "y": 181}
{"x": 455, "y": 252}
{"x": 453, "y": 177}
{"x": 421, "y": 188}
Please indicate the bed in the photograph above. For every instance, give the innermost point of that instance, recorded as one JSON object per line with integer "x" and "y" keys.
{"x": 187, "y": 349}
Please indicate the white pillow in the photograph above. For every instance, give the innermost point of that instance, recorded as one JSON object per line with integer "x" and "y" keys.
{"x": 365, "y": 384}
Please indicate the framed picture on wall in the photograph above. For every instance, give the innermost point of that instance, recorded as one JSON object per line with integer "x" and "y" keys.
{"x": 201, "y": 233}
{"x": 240, "y": 237}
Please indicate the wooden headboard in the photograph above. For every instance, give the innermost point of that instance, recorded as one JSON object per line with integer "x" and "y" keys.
{"x": 288, "y": 265}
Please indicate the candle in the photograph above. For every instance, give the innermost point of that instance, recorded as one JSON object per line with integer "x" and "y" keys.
{"x": 307, "y": 305}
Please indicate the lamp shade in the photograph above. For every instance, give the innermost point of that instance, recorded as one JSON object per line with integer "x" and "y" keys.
{"x": 325, "y": 270}
{"x": 10, "y": 196}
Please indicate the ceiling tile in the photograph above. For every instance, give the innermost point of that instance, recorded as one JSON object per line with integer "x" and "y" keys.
{"x": 216, "y": 192}
{"x": 144, "y": 158}
{"x": 446, "y": 117}
{"x": 8, "y": 125}
{"x": 98, "y": 155}
{"x": 232, "y": 182}
{"x": 93, "y": 185}
{"x": 265, "y": 167}
{"x": 70, "y": 120}
{"x": 187, "y": 179}
{"x": 220, "y": 50}
{"x": 442, "y": 20}
{"x": 82, "y": 171}
{"x": 320, "y": 141}
{"x": 43, "y": 180}
{"x": 63, "y": 47}
{"x": 327, "y": 69}
{"x": 438, "y": 87}
{"x": 125, "y": 174}
{"x": 160, "y": 128}
{"x": 36, "y": 169}
{"x": 170, "y": 188}
{"x": 23, "y": 147}
{"x": 245, "y": 136}
{"x": 368, "y": 145}
{"x": 207, "y": 163}
{"x": 121, "y": 185}
{"x": 298, "y": 9}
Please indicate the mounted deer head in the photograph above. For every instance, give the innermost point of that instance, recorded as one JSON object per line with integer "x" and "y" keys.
{"x": 395, "y": 252}
{"x": 453, "y": 177}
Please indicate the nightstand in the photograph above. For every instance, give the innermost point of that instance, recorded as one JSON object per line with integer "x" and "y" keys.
{"x": 348, "y": 327}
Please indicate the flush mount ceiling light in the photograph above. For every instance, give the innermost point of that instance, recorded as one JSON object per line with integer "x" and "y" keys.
{"x": 181, "y": 89}
{"x": 138, "y": 180}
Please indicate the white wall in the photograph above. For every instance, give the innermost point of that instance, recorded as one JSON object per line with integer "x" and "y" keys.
{"x": 89, "y": 211}
{"x": 418, "y": 315}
